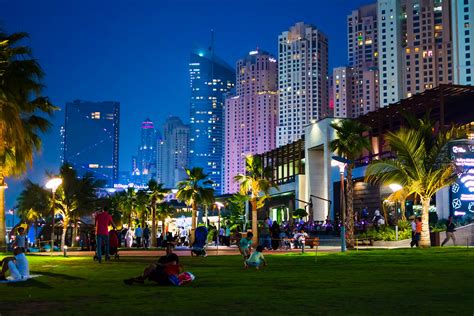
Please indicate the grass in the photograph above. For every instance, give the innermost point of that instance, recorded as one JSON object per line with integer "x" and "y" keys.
{"x": 409, "y": 281}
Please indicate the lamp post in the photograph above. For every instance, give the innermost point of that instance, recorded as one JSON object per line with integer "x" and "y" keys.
{"x": 53, "y": 185}
{"x": 341, "y": 163}
{"x": 219, "y": 206}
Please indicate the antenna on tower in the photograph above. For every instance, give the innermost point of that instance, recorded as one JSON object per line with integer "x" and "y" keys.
{"x": 212, "y": 41}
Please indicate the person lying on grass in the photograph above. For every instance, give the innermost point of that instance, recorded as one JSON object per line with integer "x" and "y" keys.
{"x": 245, "y": 245}
{"x": 17, "y": 266}
{"x": 167, "y": 271}
{"x": 256, "y": 259}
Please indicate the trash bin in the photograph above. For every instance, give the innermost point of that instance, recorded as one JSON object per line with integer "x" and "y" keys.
{"x": 435, "y": 239}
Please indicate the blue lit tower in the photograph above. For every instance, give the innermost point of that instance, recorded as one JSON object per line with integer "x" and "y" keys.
{"x": 147, "y": 152}
{"x": 91, "y": 139}
{"x": 211, "y": 78}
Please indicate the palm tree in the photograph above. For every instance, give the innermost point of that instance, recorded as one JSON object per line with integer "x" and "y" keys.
{"x": 164, "y": 210}
{"x": 33, "y": 204}
{"x": 255, "y": 183}
{"x": 349, "y": 144}
{"x": 156, "y": 193}
{"x": 142, "y": 207}
{"x": 421, "y": 166}
{"x": 128, "y": 201}
{"x": 195, "y": 190}
{"x": 21, "y": 107}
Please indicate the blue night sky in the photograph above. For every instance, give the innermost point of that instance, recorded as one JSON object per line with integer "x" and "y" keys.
{"x": 136, "y": 52}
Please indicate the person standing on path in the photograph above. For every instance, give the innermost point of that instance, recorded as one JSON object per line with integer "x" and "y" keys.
{"x": 413, "y": 231}
{"x": 102, "y": 222}
{"x": 146, "y": 237}
{"x": 138, "y": 236}
{"x": 450, "y": 229}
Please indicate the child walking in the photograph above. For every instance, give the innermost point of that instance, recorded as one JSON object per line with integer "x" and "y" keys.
{"x": 256, "y": 259}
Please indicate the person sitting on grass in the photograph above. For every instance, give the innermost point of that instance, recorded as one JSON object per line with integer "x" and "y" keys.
{"x": 167, "y": 271}
{"x": 245, "y": 246}
{"x": 256, "y": 259}
{"x": 17, "y": 266}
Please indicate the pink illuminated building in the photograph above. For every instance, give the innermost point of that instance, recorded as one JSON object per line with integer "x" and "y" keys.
{"x": 251, "y": 114}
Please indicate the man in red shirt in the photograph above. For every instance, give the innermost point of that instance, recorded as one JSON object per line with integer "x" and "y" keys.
{"x": 102, "y": 222}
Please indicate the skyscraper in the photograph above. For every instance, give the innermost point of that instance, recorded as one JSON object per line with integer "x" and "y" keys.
{"x": 362, "y": 51}
{"x": 174, "y": 152}
{"x": 427, "y": 54}
{"x": 251, "y": 114}
{"x": 462, "y": 21}
{"x": 146, "y": 157}
{"x": 303, "y": 80}
{"x": 91, "y": 142}
{"x": 211, "y": 78}
{"x": 415, "y": 47}
{"x": 343, "y": 83}
{"x": 62, "y": 135}
{"x": 389, "y": 13}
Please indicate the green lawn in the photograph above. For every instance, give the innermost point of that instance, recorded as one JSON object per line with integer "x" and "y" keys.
{"x": 410, "y": 281}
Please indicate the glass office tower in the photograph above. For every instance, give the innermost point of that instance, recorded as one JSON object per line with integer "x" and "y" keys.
{"x": 211, "y": 79}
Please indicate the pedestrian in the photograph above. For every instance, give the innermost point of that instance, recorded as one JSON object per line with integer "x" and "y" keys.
{"x": 102, "y": 222}
{"x": 413, "y": 231}
{"x": 17, "y": 266}
{"x": 20, "y": 239}
{"x": 129, "y": 238}
{"x": 227, "y": 236}
{"x": 450, "y": 229}
{"x": 256, "y": 259}
{"x": 418, "y": 229}
{"x": 275, "y": 231}
{"x": 138, "y": 236}
{"x": 221, "y": 235}
{"x": 183, "y": 234}
{"x": 146, "y": 237}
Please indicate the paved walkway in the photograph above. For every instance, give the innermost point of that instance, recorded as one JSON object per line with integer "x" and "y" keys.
{"x": 183, "y": 251}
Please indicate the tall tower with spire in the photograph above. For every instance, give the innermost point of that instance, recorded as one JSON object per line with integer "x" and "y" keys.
{"x": 210, "y": 80}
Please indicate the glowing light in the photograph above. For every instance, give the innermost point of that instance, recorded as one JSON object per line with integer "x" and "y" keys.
{"x": 395, "y": 187}
{"x": 253, "y": 52}
{"x": 53, "y": 184}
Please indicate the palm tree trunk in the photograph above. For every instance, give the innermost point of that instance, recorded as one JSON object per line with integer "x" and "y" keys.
{"x": 3, "y": 227}
{"x": 153, "y": 224}
{"x": 402, "y": 209}
{"x": 350, "y": 209}
{"x": 74, "y": 234}
{"x": 193, "y": 222}
{"x": 425, "y": 230}
{"x": 254, "y": 222}
{"x": 63, "y": 235}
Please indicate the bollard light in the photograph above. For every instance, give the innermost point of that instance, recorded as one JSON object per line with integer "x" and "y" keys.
{"x": 65, "y": 251}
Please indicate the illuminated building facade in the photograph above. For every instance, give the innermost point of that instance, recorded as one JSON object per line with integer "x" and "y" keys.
{"x": 462, "y": 22}
{"x": 302, "y": 80}
{"x": 146, "y": 157}
{"x": 251, "y": 114}
{"x": 91, "y": 139}
{"x": 174, "y": 152}
{"x": 210, "y": 80}
{"x": 362, "y": 48}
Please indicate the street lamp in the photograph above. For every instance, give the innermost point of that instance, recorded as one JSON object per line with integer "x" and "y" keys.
{"x": 219, "y": 206}
{"x": 341, "y": 163}
{"x": 53, "y": 185}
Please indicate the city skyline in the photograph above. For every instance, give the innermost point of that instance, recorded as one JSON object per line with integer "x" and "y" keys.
{"x": 100, "y": 79}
